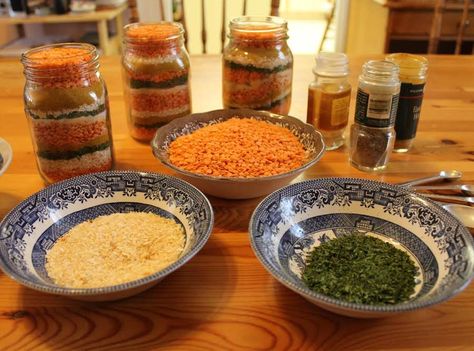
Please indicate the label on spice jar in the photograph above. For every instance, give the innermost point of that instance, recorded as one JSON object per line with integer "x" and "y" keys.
{"x": 376, "y": 110}
{"x": 340, "y": 110}
{"x": 328, "y": 111}
{"x": 408, "y": 113}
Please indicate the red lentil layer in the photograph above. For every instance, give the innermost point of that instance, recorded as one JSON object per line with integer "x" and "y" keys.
{"x": 158, "y": 101}
{"x": 256, "y": 39}
{"x": 242, "y": 76}
{"x": 141, "y": 133}
{"x": 158, "y": 77}
{"x": 60, "y": 58}
{"x": 238, "y": 147}
{"x": 59, "y": 67}
{"x": 154, "y": 39}
{"x": 54, "y": 135}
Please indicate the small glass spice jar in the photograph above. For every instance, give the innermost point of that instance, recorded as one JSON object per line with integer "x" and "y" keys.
{"x": 413, "y": 78}
{"x": 156, "y": 76}
{"x": 67, "y": 108}
{"x": 329, "y": 97}
{"x": 258, "y": 65}
{"x": 373, "y": 133}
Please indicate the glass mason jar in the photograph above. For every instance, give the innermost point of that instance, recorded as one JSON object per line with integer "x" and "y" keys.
{"x": 156, "y": 76}
{"x": 67, "y": 108}
{"x": 413, "y": 78}
{"x": 329, "y": 96}
{"x": 373, "y": 133}
{"x": 258, "y": 65}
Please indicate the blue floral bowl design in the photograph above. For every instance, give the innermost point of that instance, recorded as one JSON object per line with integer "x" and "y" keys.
{"x": 31, "y": 229}
{"x": 290, "y": 222}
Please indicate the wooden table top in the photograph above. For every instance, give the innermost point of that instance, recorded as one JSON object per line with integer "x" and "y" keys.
{"x": 223, "y": 299}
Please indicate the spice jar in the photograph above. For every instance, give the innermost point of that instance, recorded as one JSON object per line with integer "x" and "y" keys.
{"x": 329, "y": 97}
{"x": 373, "y": 133}
{"x": 67, "y": 108}
{"x": 413, "y": 78}
{"x": 258, "y": 65}
{"x": 156, "y": 76}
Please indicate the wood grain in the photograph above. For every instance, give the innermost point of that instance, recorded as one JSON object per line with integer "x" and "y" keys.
{"x": 224, "y": 299}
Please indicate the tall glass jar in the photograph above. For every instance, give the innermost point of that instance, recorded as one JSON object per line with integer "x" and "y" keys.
{"x": 329, "y": 96}
{"x": 67, "y": 108}
{"x": 156, "y": 76}
{"x": 413, "y": 78}
{"x": 258, "y": 65}
{"x": 373, "y": 133}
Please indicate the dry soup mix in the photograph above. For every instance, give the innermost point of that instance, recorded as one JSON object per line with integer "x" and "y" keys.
{"x": 156, "y": 77}
{"x": 257, "y": 65}
{"x": 66, "y": 105}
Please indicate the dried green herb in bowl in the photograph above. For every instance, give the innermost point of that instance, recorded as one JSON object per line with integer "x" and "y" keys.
{"x": 361, "y": 269}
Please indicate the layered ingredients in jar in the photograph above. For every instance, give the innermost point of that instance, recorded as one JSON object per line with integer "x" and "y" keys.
{"x": 257, "y": 68}
{"x": 67, "y": 109}
{"x": 156, "y": 77}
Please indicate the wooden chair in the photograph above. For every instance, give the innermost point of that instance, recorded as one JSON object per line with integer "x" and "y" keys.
{"x": 435, "y": 32}
{"x": 329, "y": 19}
{"x": 134, "y": 17}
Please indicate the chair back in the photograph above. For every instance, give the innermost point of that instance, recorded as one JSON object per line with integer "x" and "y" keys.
{"x": 179, "y": 15}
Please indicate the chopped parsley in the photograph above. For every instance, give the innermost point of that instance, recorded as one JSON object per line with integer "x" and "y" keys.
{"x": 360, "y": 269}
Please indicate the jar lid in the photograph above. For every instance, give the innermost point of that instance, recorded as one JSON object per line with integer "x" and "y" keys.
{"x": 331, "y": 64}
{"x": 146, "y": 33}
{"x": 258, "y": 28}
{"x": 410, "y": 65}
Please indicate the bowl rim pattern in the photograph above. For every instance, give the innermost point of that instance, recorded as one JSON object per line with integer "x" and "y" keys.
{"x": 179, "y": 123}
{"x": 340, "y": 304}
{"x": 60, "y": 290}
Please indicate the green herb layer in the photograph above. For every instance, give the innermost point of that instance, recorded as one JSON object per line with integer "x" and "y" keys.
{"x": 68, "y": 155}
{"x": 361, "y": 269}
{"x": 74, "y": 114}
{"x": 170, "y": 83}
{"x": 252, "y": 68}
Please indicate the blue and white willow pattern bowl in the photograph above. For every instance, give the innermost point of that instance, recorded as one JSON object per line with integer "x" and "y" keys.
{"x": 287, "y": 224}
{"x": 31, "y": 229}
{"x": 237, "y": 188}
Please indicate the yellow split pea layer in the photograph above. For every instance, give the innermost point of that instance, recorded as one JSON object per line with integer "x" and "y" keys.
{"x": 238, "y": 147}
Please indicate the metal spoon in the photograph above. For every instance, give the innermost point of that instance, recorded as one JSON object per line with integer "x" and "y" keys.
{"x": 448, "y": 198}
{"x": 464, "y": 213}
{"x": 467, "y": 189}
{"x": 446, "y": 175}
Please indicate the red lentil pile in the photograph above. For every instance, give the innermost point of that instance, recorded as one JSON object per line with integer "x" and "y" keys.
{"x": 238, "y": 147}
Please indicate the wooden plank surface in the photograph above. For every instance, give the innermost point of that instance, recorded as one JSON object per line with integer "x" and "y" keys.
{"x": 224, "y": 299}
